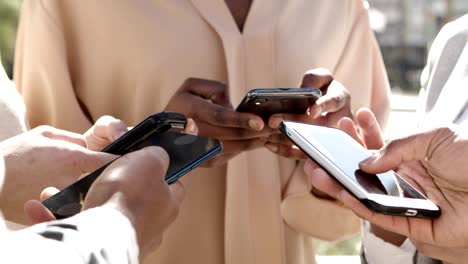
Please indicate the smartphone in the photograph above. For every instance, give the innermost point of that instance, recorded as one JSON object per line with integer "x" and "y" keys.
{"x": 186, "y": 152}
{"x": 265, "y": 102}
{"x": 339, "y": 154}
{"x": 157, "y": 123}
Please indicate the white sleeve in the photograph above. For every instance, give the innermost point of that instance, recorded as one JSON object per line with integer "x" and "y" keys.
{"x": 377, "y": 251}
{"x": 99, "y": 235}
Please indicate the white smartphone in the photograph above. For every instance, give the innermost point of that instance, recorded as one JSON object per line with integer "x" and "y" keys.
{"x": 339, "y": 154}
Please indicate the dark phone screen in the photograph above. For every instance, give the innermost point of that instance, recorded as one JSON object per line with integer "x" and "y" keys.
{"x": 185, "y": 152}
{"x": 183, "y": 149}
{"x": 346, "y": 154}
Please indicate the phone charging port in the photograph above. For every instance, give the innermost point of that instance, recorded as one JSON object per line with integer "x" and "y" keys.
{"x": 411, "y": 212}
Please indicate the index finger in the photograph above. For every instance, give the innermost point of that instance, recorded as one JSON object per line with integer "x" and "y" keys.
{"x": 370, "y": 128}
{"x": 347, "y": 125}
{"x": 414, "y": 147}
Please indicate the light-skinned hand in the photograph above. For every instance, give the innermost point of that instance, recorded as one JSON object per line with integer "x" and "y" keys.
{"x": 433, "y": 161}
{"x": 133, "y": 185}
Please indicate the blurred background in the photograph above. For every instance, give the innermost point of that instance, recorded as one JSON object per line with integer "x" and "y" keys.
{"x": 404, "y": 29}
{"x": 8, "y": 22}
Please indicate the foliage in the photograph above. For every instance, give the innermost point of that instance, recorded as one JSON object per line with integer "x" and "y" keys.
{"x": 8, "y": 23}
{"x": 348, "y": 247}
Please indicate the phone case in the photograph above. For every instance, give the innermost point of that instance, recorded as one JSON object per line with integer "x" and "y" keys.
{"x": 186, "y": 152}
{"x": 157, "y": 123}
{"x": 265, "y": 102}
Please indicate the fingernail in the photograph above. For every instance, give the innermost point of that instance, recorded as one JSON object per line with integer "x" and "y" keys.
{"x": 271, "y": 147}
{"x": 254, "y": 124}
{"x": 368, "y": 161}
{"x": 190, "y": 127}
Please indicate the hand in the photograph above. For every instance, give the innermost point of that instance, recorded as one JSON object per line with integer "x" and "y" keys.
{"x": 371, "y": 137}
{"x": 42, "y": 157}
{"x": 105, "y": 131}
{"x": 207, "y": 102}
{"x": 327, "y": 111}
{"x": 435, "y": 160}
{"x": 129, "y": 185}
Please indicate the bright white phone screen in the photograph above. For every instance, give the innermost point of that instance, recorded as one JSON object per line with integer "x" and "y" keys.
{"x": 342, "y": 150}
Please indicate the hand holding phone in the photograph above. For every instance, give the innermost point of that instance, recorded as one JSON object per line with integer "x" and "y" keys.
{"x": 266, "y": 102}
{"x": 333, "y": 104}
{"x": 340, "y": 155}
{"x": 207, "y": 102}
{"x": 186, "y": 152}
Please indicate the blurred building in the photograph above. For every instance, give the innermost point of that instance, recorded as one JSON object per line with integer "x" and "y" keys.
{"x": 405, "y": 29}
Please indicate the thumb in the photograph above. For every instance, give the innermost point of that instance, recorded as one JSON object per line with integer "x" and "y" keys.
{"x": 319, "y": 78}
{"x": 48, "y": 192}
{"x": 415, "y": 147}
{"x": 37, "y": 212}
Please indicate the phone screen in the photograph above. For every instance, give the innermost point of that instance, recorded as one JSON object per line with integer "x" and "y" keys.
{"x": 186, "y": 152}
{"x": 183, "y": 149}
{"x": 343, "y": 151}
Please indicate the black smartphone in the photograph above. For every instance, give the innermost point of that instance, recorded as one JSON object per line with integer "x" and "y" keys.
{"x": 157, "y": 123}
{"x": 186, "y": 152}
{"x": 339, "y": 154}
{"x": 156, "y": 130}
{"x": 265, "y": 102}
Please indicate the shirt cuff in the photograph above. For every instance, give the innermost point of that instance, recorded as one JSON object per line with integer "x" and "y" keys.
{"x": 101, "y": 231}
{"x": 377, "y": 251}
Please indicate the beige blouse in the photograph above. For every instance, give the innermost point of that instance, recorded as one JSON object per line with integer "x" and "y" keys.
{"x": 79, "y": 60}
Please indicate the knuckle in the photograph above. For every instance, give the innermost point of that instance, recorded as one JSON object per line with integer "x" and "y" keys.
{"x": 105, "y": 119}
{"x": 160, "y": 157}
{"x": 243, "y": 134}
{"x": 189, "y": 81}
{"x": 218, "y": 116}
{"x": 319, "y": 72}
{"x": 44, "y": 130}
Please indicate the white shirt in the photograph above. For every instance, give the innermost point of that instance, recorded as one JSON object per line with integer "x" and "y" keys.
{"x": 443, "y": 101}
{"x": 98, "y": 235}
{"x": 12, "y": 109}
